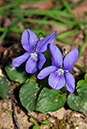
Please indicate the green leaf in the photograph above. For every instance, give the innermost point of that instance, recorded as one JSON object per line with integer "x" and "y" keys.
{"x": 74, "y": 102}
{"x": 47, "y": 122}
{"x": 16, "y": 74}
{"x": 4, "y": 87}
{"x": 28, "y": 95}
{"x": 81, "y": 83}
{"x": 48, "y": 59}
{"x": 36, "y": 127}
{"x": 79, "y": 102}
{"x": 50, "y": 100}
{"x": 59, "y": 47}
{"x": 85, "y": 77}
{"x": 82, "y": 92}
{"x": 32, "y": 120}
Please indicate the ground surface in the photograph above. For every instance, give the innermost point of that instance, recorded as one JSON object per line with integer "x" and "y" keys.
{"x": 61, "y": 119}
{"x": 12, "y": 115}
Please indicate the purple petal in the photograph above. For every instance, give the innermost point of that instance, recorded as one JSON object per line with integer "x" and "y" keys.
{"x": 42, "y": 60}
{"x": 42, "y": 45}
{"x": 31, "y": 65}
{"x": 70, "y": 82}
{"x": 56, "y": 81}
{"x": 56, "y": 54}
{"x": 70, "y": 59}
{"x": 46, "y": 71}
{"x": 28, "y": 40}
{"x": 20, "y": 59}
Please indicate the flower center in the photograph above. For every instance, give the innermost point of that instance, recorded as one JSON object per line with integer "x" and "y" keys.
{"x": 60, "y": 71}
{"x": 34, "y": 56}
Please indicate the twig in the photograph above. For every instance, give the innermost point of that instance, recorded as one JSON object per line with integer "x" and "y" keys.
{"x": 27, "y": 113}
{"x": 14, "y": 116}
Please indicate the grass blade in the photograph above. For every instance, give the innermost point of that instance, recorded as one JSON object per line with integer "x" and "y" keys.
{"x": 14, "y": 23}
{"x": 63, "y": 23}
{"x": 11, "y": 5}
{"x": 67, "y": 7}
{"x": 4, "y": 34}
{"x": 68, "y": 33}
{"x": 67, "y": 41}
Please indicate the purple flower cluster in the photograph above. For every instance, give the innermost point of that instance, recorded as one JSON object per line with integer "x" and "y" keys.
{"x": 35, "y": 58}
{"x": 59, "y": 71}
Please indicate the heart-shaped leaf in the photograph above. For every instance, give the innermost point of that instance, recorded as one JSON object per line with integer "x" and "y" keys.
{"x": 16, "y": 74}
{"x": 4, "y": 87}
{"x": 36, "y": 127}
{"x": 50, "y": 100}
{"x": 46, "y": 122}
{"x": 82, "y": 82}
{"x": 85, "y": 77}
{"x": 28, "y": 95}
{"x": 79, "y": 102}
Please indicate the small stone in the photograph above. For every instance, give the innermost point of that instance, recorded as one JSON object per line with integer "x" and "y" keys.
{"x": 82, "y": 126}
{"x": 1, "y": 74}
{"x": 68, "y": 112}
{"x": 51, "y": 119}
{"x": 4, "y": 105}
{"x": 59, "y": 113}
{"x": 68, "y": 126}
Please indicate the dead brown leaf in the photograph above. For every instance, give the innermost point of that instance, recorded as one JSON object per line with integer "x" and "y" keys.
{"x": 81, "y": 8}
{"x": 1, "y": 1}
{"x": 39, "y": 5}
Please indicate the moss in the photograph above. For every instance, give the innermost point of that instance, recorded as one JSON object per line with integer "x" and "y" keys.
{"x": 63, "y": 124}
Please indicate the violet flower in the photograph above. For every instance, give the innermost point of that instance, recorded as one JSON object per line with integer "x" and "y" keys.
{"x": 35, "y": 58}
{"x": 59, "y": 71}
